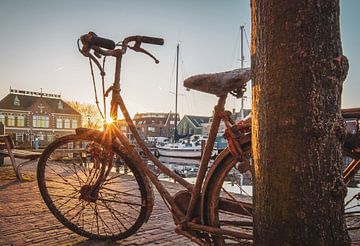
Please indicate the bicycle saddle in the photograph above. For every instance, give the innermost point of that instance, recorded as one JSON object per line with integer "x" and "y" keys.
{"x": 219, "y": 83}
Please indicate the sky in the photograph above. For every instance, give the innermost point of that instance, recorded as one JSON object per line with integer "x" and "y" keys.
{"x": 38, "y": 48}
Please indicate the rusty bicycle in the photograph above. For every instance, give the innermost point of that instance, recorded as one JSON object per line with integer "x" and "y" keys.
{"x": 81, "y": 183}
{"x": 88, "y": 191}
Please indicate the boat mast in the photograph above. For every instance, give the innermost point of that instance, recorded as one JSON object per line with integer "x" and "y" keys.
{"x": 176, "y": 92}
{"x": 242, "y": 58}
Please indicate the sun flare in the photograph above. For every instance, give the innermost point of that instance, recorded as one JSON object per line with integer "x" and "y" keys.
{"x": 109, "y": 120}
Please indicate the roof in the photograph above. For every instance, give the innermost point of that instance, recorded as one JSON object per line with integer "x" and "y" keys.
{"x": 26, "y": 101}
{"x": 198, "y": 120}
{"x": 150, "y": 115}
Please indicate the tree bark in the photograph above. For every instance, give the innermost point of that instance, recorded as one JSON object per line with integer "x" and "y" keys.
{"x": 297, "y": 127}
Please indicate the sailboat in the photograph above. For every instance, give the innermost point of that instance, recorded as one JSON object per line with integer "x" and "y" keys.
{"x": 183, "y": 148}
{"x": 191, "y": 148}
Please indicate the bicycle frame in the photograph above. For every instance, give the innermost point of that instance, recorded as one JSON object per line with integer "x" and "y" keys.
{"x": 195, "y": 189}
{"x": 181, "y": 218}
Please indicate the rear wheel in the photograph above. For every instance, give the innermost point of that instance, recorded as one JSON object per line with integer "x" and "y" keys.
{"x": 67, "y": 172}
{"x": 352, "y": 200}
{"x": 226, "y": 208}
{"x": 226, "y": 204}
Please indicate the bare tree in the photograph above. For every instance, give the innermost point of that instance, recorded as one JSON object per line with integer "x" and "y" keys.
{"x": 91, "y": 117}
{"x": 297, "y": 127}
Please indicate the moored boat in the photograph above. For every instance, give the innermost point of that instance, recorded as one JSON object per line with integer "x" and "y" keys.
{"x": 191, "y": 148}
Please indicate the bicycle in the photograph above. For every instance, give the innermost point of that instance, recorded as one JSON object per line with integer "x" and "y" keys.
{"x": 79, "y": 184}
{"x": 98, "y": 192}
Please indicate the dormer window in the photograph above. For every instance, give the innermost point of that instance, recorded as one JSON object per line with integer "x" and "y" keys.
{"x": 16, "y": 101}
{"x": 60, "y": 105}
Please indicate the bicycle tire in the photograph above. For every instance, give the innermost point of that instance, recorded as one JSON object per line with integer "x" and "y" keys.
{"x": 214, "y": 191}
{"x": 212, "y": 194}
{"x": 122, "y": 199}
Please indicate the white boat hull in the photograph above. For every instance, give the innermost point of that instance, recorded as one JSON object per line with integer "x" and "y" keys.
{"x": 181, "y": 153}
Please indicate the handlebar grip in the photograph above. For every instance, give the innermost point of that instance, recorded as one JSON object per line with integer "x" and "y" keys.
{"x": 103, "y": 43}
{"x": 152, "y": 40}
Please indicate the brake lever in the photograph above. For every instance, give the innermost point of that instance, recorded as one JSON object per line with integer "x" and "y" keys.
{"x": 137, "y": 48}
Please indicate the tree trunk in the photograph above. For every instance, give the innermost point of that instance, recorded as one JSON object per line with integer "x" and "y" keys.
{"x": 297, "y": 127}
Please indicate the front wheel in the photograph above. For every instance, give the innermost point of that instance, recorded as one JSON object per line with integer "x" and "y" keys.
{"x": 68, "y": 174}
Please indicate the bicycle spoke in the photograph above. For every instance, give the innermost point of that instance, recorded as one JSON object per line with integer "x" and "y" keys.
{"x": 66, "y": 202}
{"x": 66, "y": 181}
{"x": 114, "y": 216}
{"x": 124, "y": 216}
{"x": 119, "y": 207}
{"x": 122, "y": 192}
{"x": 81, "y": 181}
{"x": 60, "y": 197}
{"x": 104, "y": 223}
{"x": 72, "y": 209}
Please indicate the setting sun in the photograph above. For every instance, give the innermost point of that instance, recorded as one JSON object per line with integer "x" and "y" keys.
{"x": 109, "y": 120}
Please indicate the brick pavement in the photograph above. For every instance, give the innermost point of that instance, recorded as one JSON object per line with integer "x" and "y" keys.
{"x": 25, "y": 219}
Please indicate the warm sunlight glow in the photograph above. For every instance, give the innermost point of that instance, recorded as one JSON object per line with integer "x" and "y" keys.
{"x": 109, "y": 120}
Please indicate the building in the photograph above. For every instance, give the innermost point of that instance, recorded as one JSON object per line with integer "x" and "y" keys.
{"x": 190, "y": 125}
{"x": 155, "y": 124}
{"x": 123, "y": 127}
{"x": 38, "y": 116}
{"x": 236, "y": 116}
{"x": 151, "y": 125}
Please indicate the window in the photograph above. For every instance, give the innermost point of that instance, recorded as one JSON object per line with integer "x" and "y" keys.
{"x": 73, "y": 123}
{"x": 40, "y": 121}
{"x": 59, "y": 123}
{"x": 60, "y": 105}
{"x": 172, "y": 122}
{"x": 16, "y": 101}
{"x": 50, "y": 138}
{"x": 2, "y": 118}
{"x": 20, "y": 121}
{"x": 151, "y": 129}
{"x": 11, "y": 120}
{"x": 19, "y": 138}
{"x": 66, "y": 123}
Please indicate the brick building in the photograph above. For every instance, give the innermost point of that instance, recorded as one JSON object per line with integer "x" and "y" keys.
{"x": 31, "y": 115}
{"x": 155, "y": 124}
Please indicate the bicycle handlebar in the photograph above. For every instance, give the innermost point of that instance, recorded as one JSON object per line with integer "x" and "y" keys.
{"x": 152, "y": 40}
{"x": 106, "y": 47}
{"x": 103, "y": 42}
